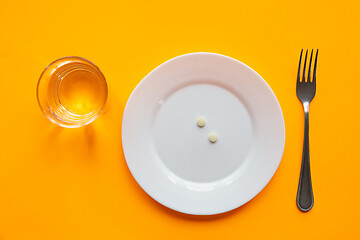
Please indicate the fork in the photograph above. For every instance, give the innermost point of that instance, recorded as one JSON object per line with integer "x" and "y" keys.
{"x": 305, "y": 91}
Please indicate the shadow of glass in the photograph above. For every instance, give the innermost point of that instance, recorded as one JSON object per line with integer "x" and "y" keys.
{"x": 59, "y": 143}
{"x": 90, "y": 137}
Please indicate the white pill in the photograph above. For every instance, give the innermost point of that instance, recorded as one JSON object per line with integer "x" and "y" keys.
{"x": 213, "y": 137}
{"x": 201, "y": 122}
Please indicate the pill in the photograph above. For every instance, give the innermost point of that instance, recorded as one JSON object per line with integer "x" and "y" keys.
{"x": 213, "y": 137}
{"x": 201, "y": 122}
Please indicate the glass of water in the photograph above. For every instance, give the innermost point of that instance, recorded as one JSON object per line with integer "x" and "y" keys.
{"x": 72, "y": 92}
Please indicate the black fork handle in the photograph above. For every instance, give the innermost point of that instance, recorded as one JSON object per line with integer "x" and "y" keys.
{"x": 305, "y": 197}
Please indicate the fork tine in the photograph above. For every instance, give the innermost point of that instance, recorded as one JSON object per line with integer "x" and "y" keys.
{"x": 315, "y": 65}
{"x": 303, "y": 78}
{"x": 309, "y": 72}
{"x": 298, "y": 76}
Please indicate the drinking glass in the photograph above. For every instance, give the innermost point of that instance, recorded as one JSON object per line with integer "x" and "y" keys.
{"x": 72, "y": 92}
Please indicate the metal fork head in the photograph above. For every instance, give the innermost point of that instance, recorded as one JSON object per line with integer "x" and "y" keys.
{"x": 305, "y": 89}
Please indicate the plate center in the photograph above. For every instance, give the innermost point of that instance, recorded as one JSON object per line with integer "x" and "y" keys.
{"x": 185, "y": 149}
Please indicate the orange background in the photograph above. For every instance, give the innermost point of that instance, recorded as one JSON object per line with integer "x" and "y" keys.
{"x": 58, "y": 183}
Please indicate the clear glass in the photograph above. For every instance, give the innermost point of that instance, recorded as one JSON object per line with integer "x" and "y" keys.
{"x": 72, "y": 92}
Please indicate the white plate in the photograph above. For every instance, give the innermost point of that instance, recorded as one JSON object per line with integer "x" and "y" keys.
{"x": 171, "y": 157}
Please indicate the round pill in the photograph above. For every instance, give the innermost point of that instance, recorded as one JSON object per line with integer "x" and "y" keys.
{"x": 213, "y": 137}
{"x": 201, "y": 122}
